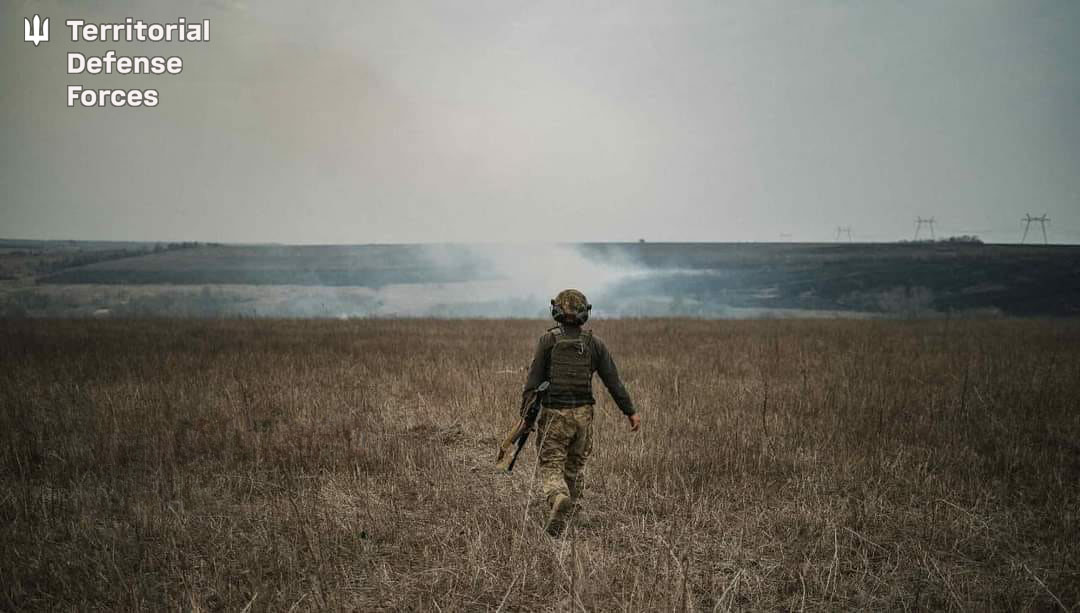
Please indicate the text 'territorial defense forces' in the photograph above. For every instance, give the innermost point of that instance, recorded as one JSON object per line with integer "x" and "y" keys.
{"x": 130, "y": 30}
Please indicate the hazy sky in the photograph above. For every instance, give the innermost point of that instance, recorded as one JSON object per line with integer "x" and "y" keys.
{"x": 356, "y": 122}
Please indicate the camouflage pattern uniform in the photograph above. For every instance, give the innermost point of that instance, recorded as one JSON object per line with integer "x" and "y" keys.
{"x": 563, "y": 445}
{"x": 567, "y": 356}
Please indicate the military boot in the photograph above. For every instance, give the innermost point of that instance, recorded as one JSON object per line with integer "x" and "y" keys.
{"x": 578, "y": 515}
{"x": 576, "y": 485}
{"x": 560, "y": 512}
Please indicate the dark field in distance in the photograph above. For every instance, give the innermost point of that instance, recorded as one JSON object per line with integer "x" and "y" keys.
{"x": 710, "y": 280}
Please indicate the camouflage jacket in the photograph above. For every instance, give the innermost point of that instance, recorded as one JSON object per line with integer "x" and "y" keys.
{"x": 602, "y": 365}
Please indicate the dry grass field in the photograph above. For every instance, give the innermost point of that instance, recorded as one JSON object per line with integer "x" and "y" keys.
{"x": 303, "y": 465}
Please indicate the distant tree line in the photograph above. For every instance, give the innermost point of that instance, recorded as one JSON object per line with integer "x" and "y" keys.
{"x": 966, "y": 239}
{"x": 85, "y": 258}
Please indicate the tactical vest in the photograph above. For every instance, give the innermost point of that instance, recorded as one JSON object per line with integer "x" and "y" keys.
{"x": 571, "y": 370}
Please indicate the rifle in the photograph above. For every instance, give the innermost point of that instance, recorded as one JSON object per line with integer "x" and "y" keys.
{"x": 530, "y": 409}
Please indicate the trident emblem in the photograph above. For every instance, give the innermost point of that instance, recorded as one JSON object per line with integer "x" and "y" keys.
{"x": 38, "y": 32}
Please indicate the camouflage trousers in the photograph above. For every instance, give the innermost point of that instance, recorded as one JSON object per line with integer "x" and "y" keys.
{"x": 563, "y": 444}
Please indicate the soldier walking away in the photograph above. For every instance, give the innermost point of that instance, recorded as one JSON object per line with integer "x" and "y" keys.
{"x": 567, "y": 357}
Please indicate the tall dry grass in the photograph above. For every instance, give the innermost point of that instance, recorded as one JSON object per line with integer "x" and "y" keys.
{"x": 277, "y": 465}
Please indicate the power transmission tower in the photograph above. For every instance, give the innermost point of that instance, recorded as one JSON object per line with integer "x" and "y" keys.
{"x": 919, "y": 222}
{"x": 1028, "y": 218}
{"x": 843, "y": 230}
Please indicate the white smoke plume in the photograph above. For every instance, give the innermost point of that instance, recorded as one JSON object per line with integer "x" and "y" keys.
{"x": 506, "y": 281}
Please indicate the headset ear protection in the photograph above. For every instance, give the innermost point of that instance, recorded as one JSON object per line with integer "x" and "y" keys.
{"x": 581, "y": 315}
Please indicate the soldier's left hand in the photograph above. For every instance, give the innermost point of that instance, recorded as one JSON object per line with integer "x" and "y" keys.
{"x": 635, "y": 422}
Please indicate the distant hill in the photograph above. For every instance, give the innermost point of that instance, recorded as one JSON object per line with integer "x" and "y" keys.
{"x": 335, "y": 266}
{"x": 623, "y": 279}
{"x": 877, "y": 277}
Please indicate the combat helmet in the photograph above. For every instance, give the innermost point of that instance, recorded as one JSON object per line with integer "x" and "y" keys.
{"x": 570, "y": 307}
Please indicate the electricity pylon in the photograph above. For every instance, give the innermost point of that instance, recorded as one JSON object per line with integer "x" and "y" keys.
{"x": 1028, "y": 218}
{"x": 843, "y": 230}
{"x": 919, "y": 221}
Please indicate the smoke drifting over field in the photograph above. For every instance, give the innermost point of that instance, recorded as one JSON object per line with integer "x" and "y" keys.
{"x": 520, "y": 280}
{"x": 509, "y": 281}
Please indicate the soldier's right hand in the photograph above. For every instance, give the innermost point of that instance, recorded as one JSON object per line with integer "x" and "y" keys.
{"x": 635, "y": 422}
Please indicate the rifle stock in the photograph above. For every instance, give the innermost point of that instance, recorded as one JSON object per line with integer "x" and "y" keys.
{"x": 506, "y": 458}
{"x": 519, "y": 434}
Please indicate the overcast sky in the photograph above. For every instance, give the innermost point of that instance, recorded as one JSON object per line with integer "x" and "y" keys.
{"x": 358, "y": 122}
